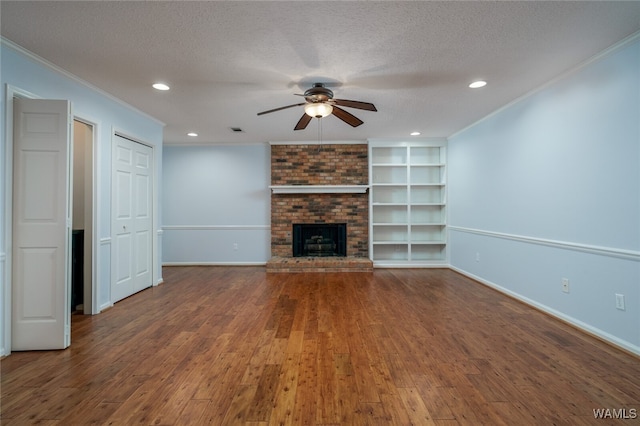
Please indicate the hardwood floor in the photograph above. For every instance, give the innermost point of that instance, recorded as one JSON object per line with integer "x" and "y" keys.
{"x": 235, "y": 345}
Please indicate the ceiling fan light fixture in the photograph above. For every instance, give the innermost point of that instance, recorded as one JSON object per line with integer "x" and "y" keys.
{"x": 318, "y": 109}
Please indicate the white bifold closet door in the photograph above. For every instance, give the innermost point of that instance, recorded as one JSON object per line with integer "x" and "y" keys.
{"x": 41, "y": 253}
{"x": 132, "y": 197}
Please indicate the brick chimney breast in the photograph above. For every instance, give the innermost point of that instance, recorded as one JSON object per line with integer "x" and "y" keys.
{"x": 332, "y": 164}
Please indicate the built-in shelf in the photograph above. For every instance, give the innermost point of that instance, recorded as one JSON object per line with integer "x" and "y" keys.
{"x": 319, "y": 189}
{"x": 407, "y": 203}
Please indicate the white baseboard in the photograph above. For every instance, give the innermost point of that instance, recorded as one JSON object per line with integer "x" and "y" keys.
{"x": 105, "y": 306}
{"x": 386, "y": 264}
{"x": 596, "y": 332}
{"x": 214, "y": 263}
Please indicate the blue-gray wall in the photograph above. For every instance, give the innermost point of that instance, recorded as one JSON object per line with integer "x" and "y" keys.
{"x": 217, "y": 207}
{"x": 549, "y": 188}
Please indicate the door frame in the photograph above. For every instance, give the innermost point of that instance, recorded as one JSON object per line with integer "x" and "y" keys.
{"x": 7, "y": 279}
{"x": 92, "y": 308}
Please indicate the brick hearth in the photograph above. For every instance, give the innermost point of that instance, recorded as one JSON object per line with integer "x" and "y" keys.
{"x": 319, "y": 264}
{"x": 333, "y": 164}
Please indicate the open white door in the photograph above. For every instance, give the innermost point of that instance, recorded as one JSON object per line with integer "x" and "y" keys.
{"x": 41, "y": 278}
{"x": 132, "y": 217}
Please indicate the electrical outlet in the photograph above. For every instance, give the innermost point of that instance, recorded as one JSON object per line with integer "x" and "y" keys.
{"x": 620, "y": 301}
{"x": 235, "y": 246}
{"x": 477, "y": 257}
{"x": 565, "y": 285}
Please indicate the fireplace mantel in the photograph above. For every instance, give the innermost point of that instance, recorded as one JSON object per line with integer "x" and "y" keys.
{"x": 319, "y": 189}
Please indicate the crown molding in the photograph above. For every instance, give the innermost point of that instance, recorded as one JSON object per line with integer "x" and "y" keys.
{"x": 40, "y": 60}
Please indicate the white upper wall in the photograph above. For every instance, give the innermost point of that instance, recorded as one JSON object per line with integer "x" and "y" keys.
{"x": 562, "y": 163}
{"x": 220, "y": 184}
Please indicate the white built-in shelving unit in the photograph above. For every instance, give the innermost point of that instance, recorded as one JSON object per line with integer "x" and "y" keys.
{"x": 407, "y": 203}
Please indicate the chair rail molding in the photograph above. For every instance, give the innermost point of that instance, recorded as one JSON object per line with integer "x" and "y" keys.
{"x": 587, "y": 248}
{"x": 215, "y": 227}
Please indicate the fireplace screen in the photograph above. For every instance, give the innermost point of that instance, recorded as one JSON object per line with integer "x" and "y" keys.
{"x": 319, "y": 239}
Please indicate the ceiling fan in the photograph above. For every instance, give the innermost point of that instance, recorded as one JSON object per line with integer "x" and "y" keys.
{"x": 319, "y": 102}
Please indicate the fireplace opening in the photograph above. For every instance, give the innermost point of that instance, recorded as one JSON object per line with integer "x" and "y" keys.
{"x": 319, "y": 239}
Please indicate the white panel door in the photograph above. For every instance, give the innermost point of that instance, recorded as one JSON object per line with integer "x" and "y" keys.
{"x": 132, "y": 201}
{"x": 41, "y": 278}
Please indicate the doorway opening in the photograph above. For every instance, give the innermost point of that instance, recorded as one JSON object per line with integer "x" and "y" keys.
{"x": 82, "y": 239}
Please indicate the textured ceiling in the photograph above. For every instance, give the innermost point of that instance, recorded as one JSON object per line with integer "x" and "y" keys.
{"x": 227, "y": 61}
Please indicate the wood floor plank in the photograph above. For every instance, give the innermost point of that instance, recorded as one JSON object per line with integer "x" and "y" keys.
{"x": 304, "y": 411}
{"x": 347, "y": 405}
{"x": 259, "y": 358}
{"x": 94, "y": 415}
{"x": 295, "y": 342}
{"x": 400, "y": 373}
{"x": 192, "y": 413}
{"x": 416, "y": 409}
{"x": 48, "y": 405}
{"x": 327, "y": 409}
{"x": 237, "y": 345}
{"x": 177, "y": 395}
{"x": 265, "y": 395}
{"x": 219, "y": 385}
{"x": 285, "y": 394}
{"x": 240, "y": 405}
{"x": 364, "y": 379}
{"x": 434, "y": 397}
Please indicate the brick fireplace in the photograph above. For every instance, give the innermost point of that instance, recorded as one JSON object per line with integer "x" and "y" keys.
{"x": 313, "y": 167}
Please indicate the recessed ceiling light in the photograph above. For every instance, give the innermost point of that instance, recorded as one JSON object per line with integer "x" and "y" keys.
{"x": 160, "y": 86}
{"x": 415, "y": 133}
{"x": 478, "y": 84}
{"x": 192, "y": 134}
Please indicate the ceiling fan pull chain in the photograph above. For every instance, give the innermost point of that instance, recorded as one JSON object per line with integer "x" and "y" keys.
{"x": 319, "y": 134}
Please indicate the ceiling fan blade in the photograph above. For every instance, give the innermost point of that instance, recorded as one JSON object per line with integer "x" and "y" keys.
{"x": 347, "y": 117}
{"x": 281, "y": 108}
{"x": 303, "y": 122}
{"x": 355, "y": 104}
